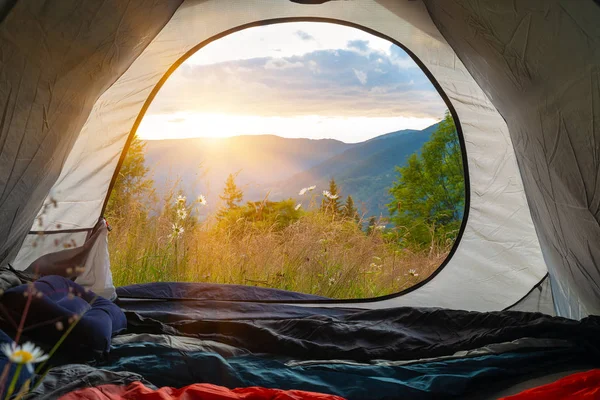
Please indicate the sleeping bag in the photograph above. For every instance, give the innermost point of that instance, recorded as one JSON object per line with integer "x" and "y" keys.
{"x": 57, "y": 302}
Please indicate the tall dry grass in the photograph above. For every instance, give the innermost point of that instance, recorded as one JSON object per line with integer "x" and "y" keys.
{"x": 317, "y": 254}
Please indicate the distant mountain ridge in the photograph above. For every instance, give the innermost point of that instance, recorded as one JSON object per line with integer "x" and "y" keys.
{"x": 280, "y": 167}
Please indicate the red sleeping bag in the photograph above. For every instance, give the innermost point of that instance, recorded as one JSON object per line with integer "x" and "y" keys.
{"x": 580, "y": 386}
{"x": 198, "y": 391}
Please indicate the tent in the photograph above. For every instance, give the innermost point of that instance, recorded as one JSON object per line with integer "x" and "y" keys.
{"x": 522, "y": 80}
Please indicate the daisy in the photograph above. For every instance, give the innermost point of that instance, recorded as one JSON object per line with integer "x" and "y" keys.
{"x": 298, "y": 206}
{"x": 330, "y": 196}
{"x": 331, "y": 281}
{"x": 311, "y": 188}
{"x": 27, "y": 354}
{"x": 177, "y": 231}
{"x": 181, "y": 213}
{"x": 303, "y": 191}
{"x": 202, "y": 200}
{"x": 180, "y": 200}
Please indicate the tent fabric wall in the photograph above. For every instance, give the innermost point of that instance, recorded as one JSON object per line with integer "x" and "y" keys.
{"x": 539, "y": 63}
{"x": 498, "y": 259}
{"x": 56, "y": 59}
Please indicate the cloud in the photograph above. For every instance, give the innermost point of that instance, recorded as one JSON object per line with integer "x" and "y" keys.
{"x": 361, "y": 76}
{"x": 282, "y": 63}
{"x": 340, "y": 82}
{"x": 360, "y": 45}
{"x": 304, "y": 36}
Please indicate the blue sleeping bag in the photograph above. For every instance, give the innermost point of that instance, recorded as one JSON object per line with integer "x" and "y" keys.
{"x": 57, "y": 302}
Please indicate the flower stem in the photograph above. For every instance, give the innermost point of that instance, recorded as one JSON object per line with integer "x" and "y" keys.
{"x": 13, "y": 383}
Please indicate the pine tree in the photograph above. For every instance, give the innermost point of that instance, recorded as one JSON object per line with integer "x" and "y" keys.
{"x": 232, "y": 195}
{"x": 331, "y": 199}
{"x": 133, "y": 190}
{"x": 350, "y": 210}
{"x": 371, "y": 226}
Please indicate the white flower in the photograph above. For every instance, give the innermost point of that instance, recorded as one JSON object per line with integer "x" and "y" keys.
{"x": 413, "y": 272}
{"x": 180, "y": 200}
{"x": 298, "y": 206}
{"x": 380, "y": 227}
{"x": 181, "y": 213}
{"x": 311, "y": 188}
{"x": 26, "y": 354}
{"x": 330, "y": 196}
{"x": 202, "y": 200}
{"x": 331, "y": 281}
{"x": 177, "y": 231}
{"x": 303, "y": 191}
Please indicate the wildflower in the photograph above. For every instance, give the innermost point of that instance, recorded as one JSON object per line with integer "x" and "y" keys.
{"x": 298, "y": 206}
{"x": 311, "y": 188}
{"x": 380, "y": 227}
{"x": 26, "y": 354}
{"x": 177, "y": 231}
{"x": 180, "y": 201}
{"x": 331, "y": 281}
{"x": 413, "y": 272}
{"x": 181, "y": 213}
{"x": 303, "y": 191}
{"x": 330, "y": 196}
{"x": 202, "y": 200}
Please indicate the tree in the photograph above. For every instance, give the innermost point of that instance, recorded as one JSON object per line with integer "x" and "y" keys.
{"x": 371, "y": 225}
{"x": 232, "y": 195}
{"x": 132, "y": 188}
{"x": 331, "y": 199}
{"x": 429, "y": 193}
{"x": 349, "y": 210}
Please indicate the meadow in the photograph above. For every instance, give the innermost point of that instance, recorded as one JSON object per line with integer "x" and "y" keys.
{"x": 314, "y": 252}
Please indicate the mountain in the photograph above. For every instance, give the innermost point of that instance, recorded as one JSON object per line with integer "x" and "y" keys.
{"x": 203, "y": 164}
{"x": 281, "y": 167}
{"x": 365, "y": 171}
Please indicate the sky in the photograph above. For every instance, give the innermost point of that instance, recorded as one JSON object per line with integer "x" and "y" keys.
{"x": 302, "y": 79}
